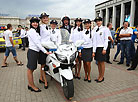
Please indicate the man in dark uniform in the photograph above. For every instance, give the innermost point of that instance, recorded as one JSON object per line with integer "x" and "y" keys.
{"x": 66, "y": 24}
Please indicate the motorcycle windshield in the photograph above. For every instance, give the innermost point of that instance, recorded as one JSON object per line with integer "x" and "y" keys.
{"x": 65, "y": 36}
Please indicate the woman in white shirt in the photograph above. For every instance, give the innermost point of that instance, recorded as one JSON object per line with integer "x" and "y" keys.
{"x": 33, "y": 52}
{"x": 55, "y": 34}
{"x": 86, "y": 52}
{"x": 76, "y": 34}
{"x": 100, "y": 43}
{"x": 45, "y": 37}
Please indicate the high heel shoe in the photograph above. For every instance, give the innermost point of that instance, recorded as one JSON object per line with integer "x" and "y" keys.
{"x": 29, "y": 88}
{"x": 96, "y": 80}
{"x": 35, "y": 90}
{"x": 46, "y": 87}
{"x": 40, "y": 81}
{"x": 100, "y": 81}
{"x": 89, "y": 81}
{"x": 85, "y": 79}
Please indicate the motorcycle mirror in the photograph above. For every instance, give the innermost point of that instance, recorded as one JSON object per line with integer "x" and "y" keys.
{"x": 49, "y": 45}
{"x": 79, "y": 43}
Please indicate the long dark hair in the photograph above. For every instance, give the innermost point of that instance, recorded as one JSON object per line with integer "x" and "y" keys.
{"x": 81, "y": 26}
{"x": 90, "y": 32}
{"x": 37, "y": 29}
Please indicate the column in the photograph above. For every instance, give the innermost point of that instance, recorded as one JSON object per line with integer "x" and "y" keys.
{"x": 101, "y": 13}
{"x": 132, "y": 13}
{"x": 95, "y": 14}
{"x": 122, "y": 14}
{"x": 107, "y": 16}
{"x": 114, "y": 17}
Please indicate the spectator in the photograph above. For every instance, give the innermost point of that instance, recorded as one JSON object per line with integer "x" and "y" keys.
{"x": 125, "y": 41}
{"x": 10, "y": 47}
{"x": 118, "y": 45}
{"x": 110, "y": 41}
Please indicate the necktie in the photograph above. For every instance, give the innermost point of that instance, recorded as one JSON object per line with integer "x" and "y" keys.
{"x": 79, "y": 29}
{"x": 97, "y": 29}
{"x": 87, "y": 32}
{"x": 53, "y": 32}
{"x": 46, "y": 28}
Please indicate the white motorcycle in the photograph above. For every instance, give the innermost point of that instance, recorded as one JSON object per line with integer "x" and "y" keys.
{"x": 59, "y": 64}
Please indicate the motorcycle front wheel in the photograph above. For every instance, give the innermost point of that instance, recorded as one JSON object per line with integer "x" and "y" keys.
{"x": 68, "y": 88}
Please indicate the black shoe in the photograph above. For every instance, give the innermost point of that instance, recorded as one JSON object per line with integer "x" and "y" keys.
{"x": 29, "y": 88}
{"x": 120, "y": 63}
{"x": 100, "y": 81}
{"x": 127, "y": 65}
{"x": 108, "y": 62}
{"x": 23, "y": 49}
{"x": 96, "y": 80}
{"x": 89, "y": 81}
{"x": 40, "y": 81}
{"x": 79, "y": 78}
{"x": 85, "y": 79}
{"x": 35, "y": 90}
{"x": 46, "y": 87}
{"x": 129, "y": 69}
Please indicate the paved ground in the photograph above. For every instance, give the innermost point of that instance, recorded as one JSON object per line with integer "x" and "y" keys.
{"x": 119, "y": 85}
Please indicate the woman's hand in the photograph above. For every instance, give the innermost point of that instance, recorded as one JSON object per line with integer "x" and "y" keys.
{"x": 93, "y": 54}
{"x": 104, "y": 52}
{"x": 48, "y": 53}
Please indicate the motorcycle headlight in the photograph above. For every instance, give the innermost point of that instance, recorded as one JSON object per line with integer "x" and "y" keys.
{"x": 72, "y": 57}
{"x": 62, "y": 58}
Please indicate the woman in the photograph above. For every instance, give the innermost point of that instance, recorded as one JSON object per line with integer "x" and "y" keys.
{"x": 55, "y": 34}
{"x": 86, "y": 52}
{"x": 100, "y": 43}
{"x": 76, "y": 34}
{"x": 45, "y": 36}
{"x": 33, "y": 52}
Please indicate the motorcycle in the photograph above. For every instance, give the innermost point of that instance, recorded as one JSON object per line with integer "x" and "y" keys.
{"x": 59, "y": 64}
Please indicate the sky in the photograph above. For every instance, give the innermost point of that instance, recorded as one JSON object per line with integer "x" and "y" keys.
{"x": 55, "y": 8}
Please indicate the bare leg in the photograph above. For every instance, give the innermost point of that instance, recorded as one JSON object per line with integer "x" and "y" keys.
{"x": 30, "y": 79}
{"x": 102, "y": 70}
{"x": 43, "y": 76}
{"x": 76, "y": 68}
{"x": 16, "y": 60}
{"x": 85, "y": 69}
{"x": 89, "y": 70}
{"x": 4, "y": 61}
{"x": 99, "y": 69}
{"x": 79, "y": 68}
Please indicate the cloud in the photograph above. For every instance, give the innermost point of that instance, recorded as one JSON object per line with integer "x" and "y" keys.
{"x": 55, "y": 8}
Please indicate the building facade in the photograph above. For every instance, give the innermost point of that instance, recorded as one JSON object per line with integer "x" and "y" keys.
{"x": 15, "y": 21}
{"x": 118, "y": 11}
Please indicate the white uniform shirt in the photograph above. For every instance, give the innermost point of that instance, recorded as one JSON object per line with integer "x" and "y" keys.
{"x": 55, "y": 36}
{"x": 44, "y": 33}
{"x": 126, "y": 31}
{"x": 75, "y": 35}
{"x": 8, "y": 34}
{"x": 88, "y": 38}
{"x": 34, "y": 41}
{"x": 22, "y": 33}
{"x": 100, "y": 38}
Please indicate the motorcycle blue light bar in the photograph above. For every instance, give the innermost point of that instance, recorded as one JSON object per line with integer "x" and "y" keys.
{"x": 52, "y": 49}
{"x": 79, "y": 48}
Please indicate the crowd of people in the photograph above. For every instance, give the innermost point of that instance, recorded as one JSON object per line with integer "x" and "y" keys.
{"x": 99, "y": 40}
